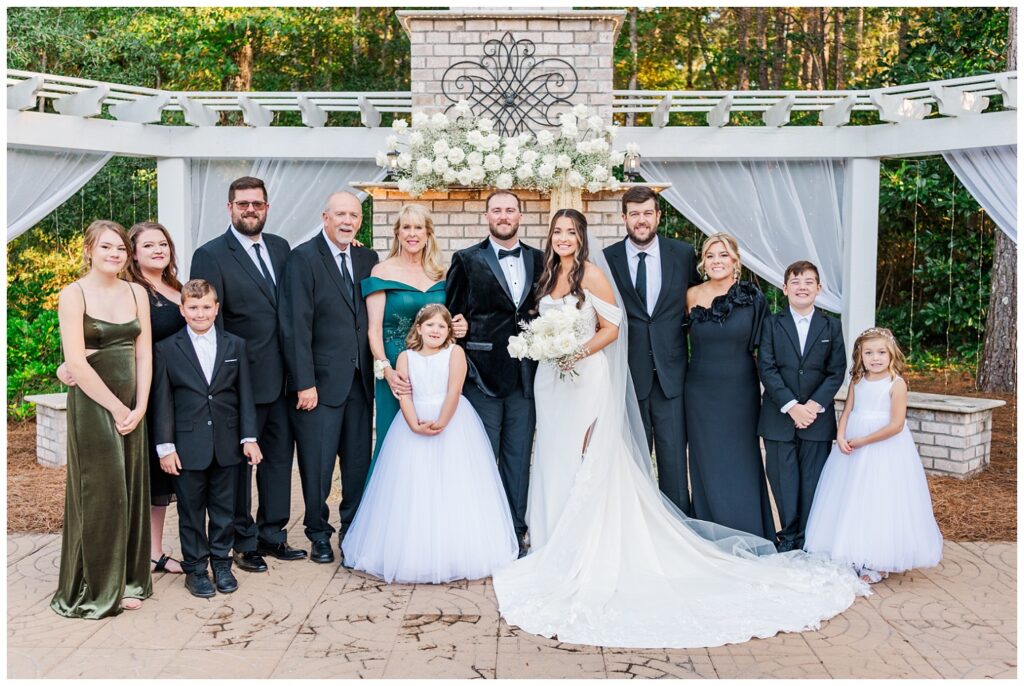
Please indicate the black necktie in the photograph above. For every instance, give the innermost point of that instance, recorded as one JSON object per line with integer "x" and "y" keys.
{"x": 641, "y": 278}
{"x": 345, "y": 278}
{"x": 264, "y": 270}
{"x": 502, "y": 253}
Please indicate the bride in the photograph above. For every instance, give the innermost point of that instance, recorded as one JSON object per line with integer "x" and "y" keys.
{"x": 613, "y": 562}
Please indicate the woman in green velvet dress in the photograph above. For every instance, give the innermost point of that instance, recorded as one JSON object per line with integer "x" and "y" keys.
{"x": 412, "y": 276}
{"x": 105, "y": 334}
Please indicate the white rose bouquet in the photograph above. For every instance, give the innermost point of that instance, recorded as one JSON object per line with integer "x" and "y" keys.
{"x": 443, "y": 149}
{"x": 556, "y": 338}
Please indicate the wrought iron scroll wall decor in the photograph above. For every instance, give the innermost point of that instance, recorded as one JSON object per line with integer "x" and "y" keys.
{"x": 511, "y": 86}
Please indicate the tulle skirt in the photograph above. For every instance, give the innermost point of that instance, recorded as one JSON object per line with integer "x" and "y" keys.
{"x": 434, "y": 510}
{"x": 872, "y": 508}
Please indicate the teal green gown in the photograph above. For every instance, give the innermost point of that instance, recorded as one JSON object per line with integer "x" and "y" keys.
{"x": 403, "y": 302}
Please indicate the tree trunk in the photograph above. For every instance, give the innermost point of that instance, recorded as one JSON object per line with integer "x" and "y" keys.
{"x": 815, "y": 48}
{"x": 807, "y": 48}
{"x": 691, "y": 41}
{"x": 901, "y": 35}
{"x": 779, "y": 53}
{"x": 998, "y": 368}
{"x": 742, "y": 19}
{"x": 705, "y": 53}
{"x": 857, "y": 43}
{"x": 839, "y": 64}
{"x": 761, "y": 40}
{"x": 633, "y": 61}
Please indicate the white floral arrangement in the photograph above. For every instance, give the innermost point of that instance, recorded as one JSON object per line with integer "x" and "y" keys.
{"x": 556, "y": 337}
{"x": 442, "y": 150}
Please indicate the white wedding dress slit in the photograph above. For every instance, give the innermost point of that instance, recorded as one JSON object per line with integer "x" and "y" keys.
{"x": 613, "y": 563}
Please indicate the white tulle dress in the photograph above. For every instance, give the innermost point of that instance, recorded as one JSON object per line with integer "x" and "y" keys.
{"x": 618, "y": 567}
{"x": 872, "y": 508}
{"x": 434, "y": 510}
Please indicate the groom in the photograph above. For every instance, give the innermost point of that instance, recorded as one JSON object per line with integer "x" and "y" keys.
{"x": 652, "y": 274}
{"x": 492, "y": 285}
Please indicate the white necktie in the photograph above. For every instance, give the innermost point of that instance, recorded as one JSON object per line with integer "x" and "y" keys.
{"x": 802, "y": 324}
{"x": 206, "y": 356}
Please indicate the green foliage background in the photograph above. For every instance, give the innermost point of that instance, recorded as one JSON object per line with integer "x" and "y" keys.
{"x": 935, "y": 246}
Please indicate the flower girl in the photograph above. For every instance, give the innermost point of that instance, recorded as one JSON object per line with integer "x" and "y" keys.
{"x": 434, "y": 509}
{"x": 872, "y": 508}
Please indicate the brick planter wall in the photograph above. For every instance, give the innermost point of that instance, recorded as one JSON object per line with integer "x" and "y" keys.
{"x": 51, "y": 429}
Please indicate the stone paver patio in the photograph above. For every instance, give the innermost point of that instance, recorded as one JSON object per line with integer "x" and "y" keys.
{"x": 307, "y": 620}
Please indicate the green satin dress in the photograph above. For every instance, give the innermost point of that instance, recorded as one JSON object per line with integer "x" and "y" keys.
{"x": 105, "y": 549}
{"x": 402, "y": 304}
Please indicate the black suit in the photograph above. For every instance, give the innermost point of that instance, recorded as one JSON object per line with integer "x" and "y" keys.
{"x": 657, "y": 357}
{"x": 795, "y": 457}
{"x": 248, "y": 309}
{"x": 500, "y": 387}
{"x": 324, "y": 330}
{"x": 206, "y": 422}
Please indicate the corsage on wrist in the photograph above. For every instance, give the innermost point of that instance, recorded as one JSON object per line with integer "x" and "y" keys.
{"x": 379, "y": 367}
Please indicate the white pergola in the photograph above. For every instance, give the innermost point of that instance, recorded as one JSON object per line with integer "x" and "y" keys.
{"x": 125, "y": 120}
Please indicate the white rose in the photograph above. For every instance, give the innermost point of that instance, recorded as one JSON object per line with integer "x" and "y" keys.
{"x": 545, "y": 138}
{"x": 456, "y": 155}
{"x": 524, "y": 172}
{"x": 477, "y": 174}
{"x": 419, "y": 120}
{"x": 595, "y": 122}
{"x": 580, "y": 110}
{"x": 583, "y": 147}
{"x": 536, "y": 350}
{"x": 517, "y": 347}
{"x": 475, "y": 158}
{"x": 565, "y": 344}
{"x": 415, "y": 139}
{"x": 599, "y": 145}
{"x": 440, "y": 147}
{"x": 399, "y": 124}
{"x": 462, "y": 108}
{"x": 492, "y": 162}
{"x": 546, "y": 171}
{"x": 509, "y": 160}
{"x": 474, "y": 138}
{"x": 503, "y": 181}
{"x": 391, "y": 142}
{"x": 493, "y": 141}
{"x": 440, "y": 165}
{"x": 405, "y": 160}
{"x": 485, "y": 124}
{"x": 439, "y": 121}
{"x": 423, "y": 166}
{"x": 613, "y": 131}
{"x": 570, "y": 130}
{"x": 449, "y": 176}
{"x": 548, "y": 159}
{"x": 465, "y": 177}
{"x": 567, "y": 119}
{"x": 563, "y": 161}
{"x": 575, "y": 179}
{"x": 525, "y": 137}
{"x": 600, "y": 173}
{"x": 632, "y": 147}
{"x": 616, "y": 157}
{"x": 382, "y": 159}
{"x": 404, "y": 185}
{"x": 530, "y": 156}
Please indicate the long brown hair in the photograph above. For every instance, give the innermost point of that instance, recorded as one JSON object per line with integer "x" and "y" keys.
{"x": 431, "y": 258}
{"x": 897, "y": 362}
{"x": 552, "y": 262}
{"x": 93, "y": 233}
{"x": 414, "y": 341}
{"x": 170, "y": 273}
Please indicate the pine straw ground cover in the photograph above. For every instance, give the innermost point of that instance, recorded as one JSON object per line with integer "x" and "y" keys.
{"x": 983, "y": 508}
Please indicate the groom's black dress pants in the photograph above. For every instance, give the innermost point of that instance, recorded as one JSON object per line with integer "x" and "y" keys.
{"x": 665, "y": 425}
{"x": 510, "y": 422}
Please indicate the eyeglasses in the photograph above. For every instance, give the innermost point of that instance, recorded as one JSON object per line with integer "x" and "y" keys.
{"x": 255, "y": 204}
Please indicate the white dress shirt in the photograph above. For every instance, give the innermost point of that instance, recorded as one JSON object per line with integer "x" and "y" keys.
{"x": 653, "y": 261}
{"x": 248, "y": 243}
{"x": 803, "y": 324}
{"x": 205, "y": 345}
{"x": 335, "y": 251}
{"x": 514, "y": 269}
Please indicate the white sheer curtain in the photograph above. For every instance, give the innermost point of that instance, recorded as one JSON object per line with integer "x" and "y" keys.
{"x": 38, "y": 181}
{"x": 780, "y": 211}
{"x": 297, "y": 191}
{"x": 990, "y": 174}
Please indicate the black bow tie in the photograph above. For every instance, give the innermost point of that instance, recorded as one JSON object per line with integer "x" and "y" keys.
{"x": 502, "y": 253}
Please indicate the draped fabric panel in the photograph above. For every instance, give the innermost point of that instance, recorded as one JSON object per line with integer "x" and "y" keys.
{"x": 990, "y": 174}
{"x": 297, "y": 191}
{"x": 780, "y": 211}
{"x": 39, "y": 181}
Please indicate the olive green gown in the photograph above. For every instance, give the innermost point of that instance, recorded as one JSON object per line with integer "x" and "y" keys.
{"x": 402, "y": 304}
{"x": 105, "y": 549}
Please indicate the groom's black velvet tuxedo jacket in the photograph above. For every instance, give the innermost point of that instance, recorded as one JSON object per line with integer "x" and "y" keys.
{"x": 476, "y": 288}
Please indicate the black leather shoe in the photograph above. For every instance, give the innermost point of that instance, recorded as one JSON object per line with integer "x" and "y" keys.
{"x": 282, "y": 551}
{"x": 321, "y": 552}
{"x": 523, "y": 546}
{"x": 786, "y": 545}
{"x": 198, "y": 584}
{"x": 250, "y": 561}
{"x": 225, "y": 580}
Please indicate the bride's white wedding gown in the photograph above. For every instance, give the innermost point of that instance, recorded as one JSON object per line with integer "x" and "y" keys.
{"x": 612, "y": 565}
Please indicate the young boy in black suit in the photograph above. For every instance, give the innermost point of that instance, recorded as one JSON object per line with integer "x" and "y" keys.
{"x": 802, "y": 362}
{"x": 205, "y": 421}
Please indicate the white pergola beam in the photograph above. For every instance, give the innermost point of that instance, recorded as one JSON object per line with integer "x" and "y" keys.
{"x": 839, "y": 113}
{"x": 196, "y": 113}
{"x": 718, "y": 116}
{"x": 141, "y": 111}
{"x": 23, "y": 95}
{"x": 778, "y": 114}
{"x": 369, "y": 115}
{"x": 860, "y": 247}
{"x": 1008, "y": 87}
{"x": 253, "y": 113}
{"x": 313, "y": 115}
{"x": 659, "y": 117}
{"x": 896, "y": 109}
{"x": 86, "y": 103}
{"x": 174, "y": 206}
{"x": 954, "y": 102}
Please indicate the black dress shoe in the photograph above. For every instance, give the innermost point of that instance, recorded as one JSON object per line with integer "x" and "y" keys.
{"x": 198, "y": 584}
{"x": 250, "y": 561}
{"x": 282, "y": 551}
{"x": 786, "y": 545}
{"x": 225, "y": 580}
{"x": 523, "y": 545}
{"x": 321, "y": 552}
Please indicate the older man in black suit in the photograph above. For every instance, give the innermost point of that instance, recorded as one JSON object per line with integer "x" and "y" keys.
{"x": 324, "y": 329}
{"x": 244, "y": 265}
{"x": 652, "y": 274}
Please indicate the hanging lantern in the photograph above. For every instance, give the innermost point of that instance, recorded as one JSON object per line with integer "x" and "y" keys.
{"x": 631, "y": 166}
{"x": 392, "y": 165}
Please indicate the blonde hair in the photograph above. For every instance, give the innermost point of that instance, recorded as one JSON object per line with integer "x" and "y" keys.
{"x": 432, "y": 265}
{"x": 414, "y": 341}
{"x": 93, "y": 233}
{"x": 731, "y": 247}
{"x": 897, "y": 361}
